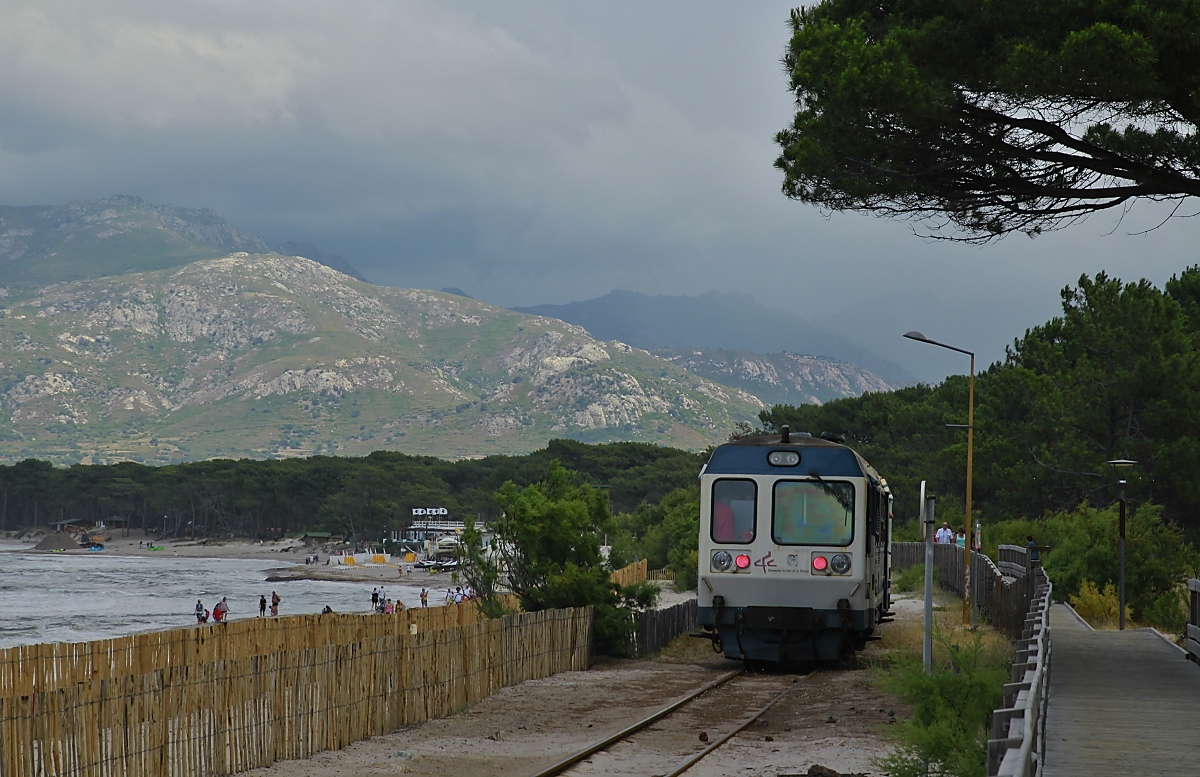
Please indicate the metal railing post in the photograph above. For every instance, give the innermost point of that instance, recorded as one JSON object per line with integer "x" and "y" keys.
{"x": 927, "y": 651}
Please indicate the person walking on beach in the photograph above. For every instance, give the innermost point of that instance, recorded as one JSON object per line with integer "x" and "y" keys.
{"x": 221, "y": 611}
{"x": 374, "y": 598}
{"x": 424, "y": 598}
{"x": 262, "y": 606}
{"x": 275, "y": 600}
{"x": 200, "y": 612}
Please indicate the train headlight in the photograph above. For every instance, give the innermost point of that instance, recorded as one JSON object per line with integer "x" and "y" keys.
{"x": 722, "y": 560}
{"x": 783, "y": 458}
{"x": 820, "y": 564}
{"x": 840, "y": 564}
{"x": 742, "y": 561}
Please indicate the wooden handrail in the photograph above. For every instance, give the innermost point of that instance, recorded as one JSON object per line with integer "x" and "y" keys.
{"x": 1017, "y": 746}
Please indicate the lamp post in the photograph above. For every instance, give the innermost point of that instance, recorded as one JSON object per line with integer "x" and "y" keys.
{"x": 921, "y": 338}
{"x": 1120, "y": 464}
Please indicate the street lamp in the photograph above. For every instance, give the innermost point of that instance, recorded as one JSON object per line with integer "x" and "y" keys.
{"x": 1121, "y": 464}
{"x": 921, "y": 338}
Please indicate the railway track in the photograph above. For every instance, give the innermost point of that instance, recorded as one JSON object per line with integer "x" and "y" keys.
{"x": 721, "y": 710}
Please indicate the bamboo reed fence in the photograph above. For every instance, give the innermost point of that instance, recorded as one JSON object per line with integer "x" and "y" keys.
{"x": 1003, "y": 593}
{"x": 663, "y": 575}
{"x": 630, "y": 575}
{"x": 225, "y": 698}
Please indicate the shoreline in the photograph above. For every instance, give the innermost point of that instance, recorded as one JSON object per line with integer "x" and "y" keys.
{"x": 288, "y": 553}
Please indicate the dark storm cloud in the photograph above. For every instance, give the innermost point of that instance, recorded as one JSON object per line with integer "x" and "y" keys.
{"x": 525, "y": 152}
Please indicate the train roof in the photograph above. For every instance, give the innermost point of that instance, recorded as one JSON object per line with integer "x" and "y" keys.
{"x": 820, "y": 457}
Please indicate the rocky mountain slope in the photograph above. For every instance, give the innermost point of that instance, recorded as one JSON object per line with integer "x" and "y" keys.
{"x": 267, "y": 355}
{"x": 41, "y": 244}
{"x": 714, "y": 320}
{"x": 781, "y": 378}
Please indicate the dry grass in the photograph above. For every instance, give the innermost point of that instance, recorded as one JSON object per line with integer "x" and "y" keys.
{"x": 685, "y": 649}
{"x": 903, "y": 639}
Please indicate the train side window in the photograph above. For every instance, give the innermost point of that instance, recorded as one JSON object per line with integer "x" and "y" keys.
{"x": 809, "y": 512}
{"x": 734, "y": 510}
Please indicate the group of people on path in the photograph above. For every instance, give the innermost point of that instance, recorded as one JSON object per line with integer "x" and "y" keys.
{"x": 947, "y": 536}
{"x": 458, "y": 595}
{"x": 220, "y": 613}
{"x": 262, "y": 605}
{"x": 383, "y": 605}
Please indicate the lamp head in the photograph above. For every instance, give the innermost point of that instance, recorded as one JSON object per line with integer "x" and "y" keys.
{"x": 1121, "y": 463}
{"x": 915, "y": 335}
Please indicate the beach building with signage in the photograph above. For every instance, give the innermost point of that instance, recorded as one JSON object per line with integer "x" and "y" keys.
{"x": 430, "y": 529}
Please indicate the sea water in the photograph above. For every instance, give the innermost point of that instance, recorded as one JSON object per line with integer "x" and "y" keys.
{"x": 75, "y": 598}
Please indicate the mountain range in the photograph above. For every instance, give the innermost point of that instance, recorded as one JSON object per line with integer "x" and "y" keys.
{"x": 268, "y": 355}
{"x": 777, "y": 379}
{"x": 134, "y": 331}
{"x": 714, "y": 320}
{"x": 41, "y": 244}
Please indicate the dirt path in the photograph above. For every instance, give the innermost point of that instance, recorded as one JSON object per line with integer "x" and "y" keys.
{"x": 838, "y": 719}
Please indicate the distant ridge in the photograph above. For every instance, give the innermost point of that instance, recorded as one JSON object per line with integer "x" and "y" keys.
{"x": 779, "y": 378}
{"x": 42, "y": 244}
{"x": 252, "y": 355}
{"x": 310, "y": 251}
{"x": 733, "y": 322}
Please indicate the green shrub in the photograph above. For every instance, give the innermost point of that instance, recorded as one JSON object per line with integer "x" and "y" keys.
{"x": 911, "y": 579}
{"x": 1084, "y": 548}
{"x": 1169, "y": 611}
{"x": 952, "y": 711}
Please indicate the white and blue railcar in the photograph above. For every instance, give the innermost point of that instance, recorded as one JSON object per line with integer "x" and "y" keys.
{"x": 794, "y": 549}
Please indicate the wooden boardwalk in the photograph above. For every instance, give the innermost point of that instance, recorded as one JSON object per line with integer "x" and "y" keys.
{"x": 1121, "y": 703}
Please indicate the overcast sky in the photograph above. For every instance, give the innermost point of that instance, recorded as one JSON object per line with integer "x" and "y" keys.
{"x": 525, "y": 152}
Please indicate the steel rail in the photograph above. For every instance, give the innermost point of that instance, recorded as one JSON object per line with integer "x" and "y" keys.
{"x": 742, "y": 727}
{"x": 571, "y": 760}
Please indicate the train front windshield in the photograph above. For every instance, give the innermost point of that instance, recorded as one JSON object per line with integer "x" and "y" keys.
{"x": 734, "y": 513}
{"x": 813, "y": 513}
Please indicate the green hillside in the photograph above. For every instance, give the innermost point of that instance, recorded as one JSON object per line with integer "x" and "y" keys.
{"x": 42, "y": 244}
{"x": 267, "y": 356}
